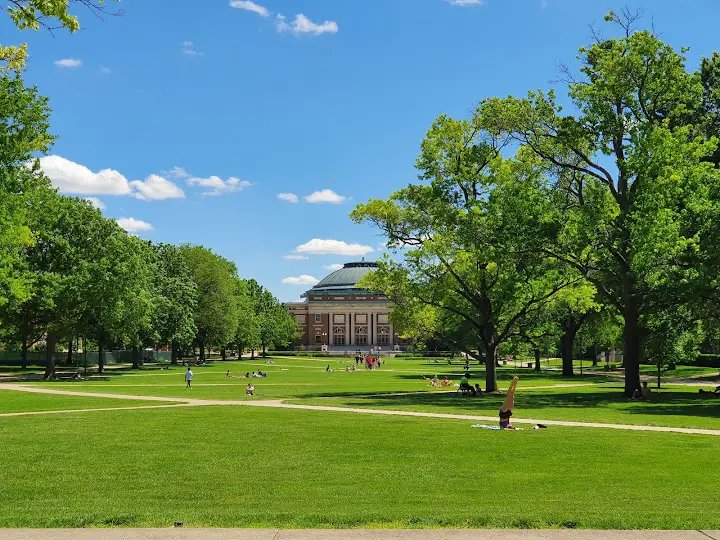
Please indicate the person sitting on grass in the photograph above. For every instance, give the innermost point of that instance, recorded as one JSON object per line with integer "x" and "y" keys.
{"x": 446, "y": 382}
{"x": 228, "y": 374}
{"x": 435, "y": 381}
{"x": 642, "y": 393}
{"x": 507, "y": 406}
{"x": 478, "y": 390}
{"x": 328, "y": 369}
{"x": 465, "y": 385}
{"x": 250, "y": 390}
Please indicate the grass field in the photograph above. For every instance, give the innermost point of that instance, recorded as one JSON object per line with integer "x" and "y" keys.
{"x": 238, "y": 466}
{"x": 233, "y": 466}
{"x": 15, "y": 402}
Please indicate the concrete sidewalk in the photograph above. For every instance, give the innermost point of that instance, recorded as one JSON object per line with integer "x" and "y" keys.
{"x": 347, "y": 534}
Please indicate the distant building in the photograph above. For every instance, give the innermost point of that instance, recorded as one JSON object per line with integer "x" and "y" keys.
{"x": 338, "y": 315}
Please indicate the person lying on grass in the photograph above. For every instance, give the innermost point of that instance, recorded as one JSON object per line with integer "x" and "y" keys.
{"x": 507, "y": 406}
{"x": 715, "y": 392}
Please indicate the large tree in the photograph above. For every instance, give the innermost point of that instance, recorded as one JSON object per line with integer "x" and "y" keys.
{"x": 174, "y": 297}
{"x": 632, "y": 162}
{"x": 462, "y": 252}
{"x": 215, "y": 311}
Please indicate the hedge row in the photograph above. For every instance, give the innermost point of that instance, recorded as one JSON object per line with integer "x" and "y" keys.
{"x": 704, "y": 360}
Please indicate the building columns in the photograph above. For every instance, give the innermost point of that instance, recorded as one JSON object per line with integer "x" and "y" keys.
{"x": 330, "y": 330}
{"x": 348, "y": 328}
{"x": 392, "y": 336}
{"x": 374, "y": 329}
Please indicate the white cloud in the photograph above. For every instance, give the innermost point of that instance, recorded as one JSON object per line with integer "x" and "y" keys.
{"x": 333, "y": 267}
{"x": 250, "y": 6}
{"x": 325, "y": 196}
{"x": 105, "y": 70}
{"x": 317, "y": 246}
{"x": 189, "y": 49}
{"x": 156, "y": 188}
{"x": 218, "y": 185}
{"x": 132, "y": 225}
{"x": 302, "y": 25}
{"x": 178, "y": 172}
{"x": 296, "y": 257}
{"x": 71, "y": 177}
{"x": 300, "y": 280}
{"x": 68, "y": 63}
{"x": 289, "y": 197}
{"x": 466, "y": 2}
{"x": 97, "y": 203}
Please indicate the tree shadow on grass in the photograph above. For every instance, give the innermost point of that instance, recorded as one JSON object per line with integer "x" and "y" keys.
{"x": 665, "y": 403}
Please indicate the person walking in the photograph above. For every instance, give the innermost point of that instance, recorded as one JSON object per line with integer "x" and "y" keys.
{"x": 188, "y": 378}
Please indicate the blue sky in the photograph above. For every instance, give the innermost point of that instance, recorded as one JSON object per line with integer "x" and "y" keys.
{"x": 191, "y": 120}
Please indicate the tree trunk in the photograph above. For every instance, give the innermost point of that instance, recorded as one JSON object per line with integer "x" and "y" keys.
{"x": 23, "y": 354}
{"x": 490, "y": 371}
{"x": 101, "y": 355}
{"x": 69, "y": 360}
{"x": 631, "y": 347}
{"x": 51, "y": 340}
{"x": 595, "y": 356}
{"x": 85, "y": 362}
{"x": 174, "y": 354}
{"x": 202, "y": 351}
{"x": 659, "y": 364}
{"x": 537, "y": 360}
{"x": 263, "y": 353}
{"x": 252, "y": 354}
{"x": 567, "y": 341}
{"x": 135, "y": 357}
{"x": 223, "y": 353}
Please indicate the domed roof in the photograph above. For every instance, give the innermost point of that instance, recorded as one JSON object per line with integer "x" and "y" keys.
{"x": 346, "y": 278}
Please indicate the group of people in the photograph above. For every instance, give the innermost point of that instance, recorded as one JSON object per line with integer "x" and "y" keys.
{"x": 437, "y": 382}
{"x": 258, "y": 375}
{"x": 371, "y": 362}
{"x": 464, "y": 383}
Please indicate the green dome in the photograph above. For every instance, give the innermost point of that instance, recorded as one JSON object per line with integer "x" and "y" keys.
{"x": 344, "y": 279}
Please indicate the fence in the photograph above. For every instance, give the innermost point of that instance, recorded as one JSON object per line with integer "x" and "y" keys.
{"x": 79, "y": 359}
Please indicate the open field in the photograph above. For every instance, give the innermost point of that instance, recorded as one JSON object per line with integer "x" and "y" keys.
{"x": 265, "y": 467}
{"x": 232, "y": 466}
{"x": 548, "y": 395}
{"x": 15, "y": 402}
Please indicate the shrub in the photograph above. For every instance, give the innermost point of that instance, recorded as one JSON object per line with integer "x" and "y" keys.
{"x": 704, "y": 360}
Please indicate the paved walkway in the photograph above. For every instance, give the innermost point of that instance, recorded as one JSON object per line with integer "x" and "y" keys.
{"x": 347, "y": 534}
{"x": 190, "y": 402}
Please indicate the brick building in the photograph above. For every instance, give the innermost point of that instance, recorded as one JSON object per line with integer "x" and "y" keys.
{"x": 338, "y": 315}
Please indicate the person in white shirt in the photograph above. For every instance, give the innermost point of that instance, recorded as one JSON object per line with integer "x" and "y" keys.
{"x": 188, "y": 378}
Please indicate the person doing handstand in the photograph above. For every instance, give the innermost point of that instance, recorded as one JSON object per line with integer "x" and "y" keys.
{"x": 507, "y": 406}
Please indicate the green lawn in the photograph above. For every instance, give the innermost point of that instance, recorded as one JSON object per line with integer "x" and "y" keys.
{"x": 221, "y": 466}
{"x": 12, "y": 401}
{"x": 237, "y": 466}
{"x": 547, "y": 395}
